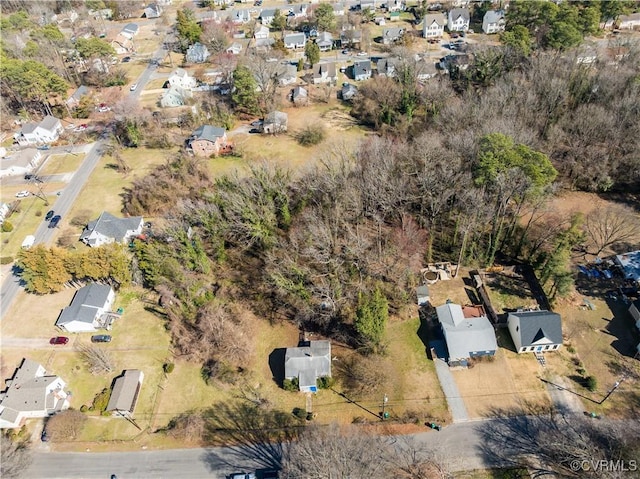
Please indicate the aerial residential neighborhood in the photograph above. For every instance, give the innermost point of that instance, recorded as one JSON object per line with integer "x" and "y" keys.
{"x": 366, "y": 239}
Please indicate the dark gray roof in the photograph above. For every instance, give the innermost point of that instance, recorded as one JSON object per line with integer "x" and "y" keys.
{"x": 85, "y": 304}
{"x": 79, "y": 93}
{"x": 536, "y": 325}
{"x": 208, "y": 132}
{"x": 308, "y": 363}
{"x": 111, "y": 226}
{"x": 125, "y": 391}
{"x": 130, "y": 28}
{"x": 459, "y": 12}
{"x": 295, "y": 38}
{"x": 268, "y": 12}
{"x": 362, "y": 67}
{"x": 465, "y": 335}
{"x": 49, "y": 123}
{"x": 393, "y": 32}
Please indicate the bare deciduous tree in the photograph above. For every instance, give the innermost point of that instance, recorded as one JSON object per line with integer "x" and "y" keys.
{"x": 65, "y": 425}
{"x": 607, "y": 225}
{"x": 15, "y": 456}
{"x": 98, "y": 359}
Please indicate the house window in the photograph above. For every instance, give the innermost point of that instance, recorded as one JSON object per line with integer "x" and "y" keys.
{"x": 546, "y": 347}
{"x": 517, "y": 328}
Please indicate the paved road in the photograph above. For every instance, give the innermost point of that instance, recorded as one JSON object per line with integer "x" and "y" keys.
{"x": 451, "y": 391}
{"x": 458, "y": 443}
{"x": 11, "y": 284}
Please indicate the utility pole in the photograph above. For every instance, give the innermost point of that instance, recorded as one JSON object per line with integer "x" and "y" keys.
{"x": 615, "y": 386}
{"x": 385, "y": 415}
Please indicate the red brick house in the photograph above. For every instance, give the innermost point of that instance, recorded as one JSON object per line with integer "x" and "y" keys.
{"x": 208, "y": 140}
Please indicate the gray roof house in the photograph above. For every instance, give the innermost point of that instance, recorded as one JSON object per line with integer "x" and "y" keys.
{"x": 130, "y": 30}
{"x": 493, "y": 22}
{"x": 348, "y": 91}
{"x": 153, "y": 10}
{"x": 433, "y": 25}
{"x": 74, "y": 100}
{"x": 267, "y": 15}
{"x": 386, "y": 67}
{"x": 241, "y": 16}
{"x": 535, "y": 331}
{"x": 47, "y": 131}
{"x": 299, "y": 96}
{"x": 125, "y": 392}
{"x": 467, "y": 334}
{"x": 361, "y": 70}
{"x": 295, "y": 40}
{"x": 275, "y": 122}
{"x": 175, "y": 96}
{"x": 392, "y": 35}
{"x": 324, "y": 41}
{"x": 307, "y": 363}
{"x": 197, "y": 53}
{"x": 325, "y": 73}
{"x": 350, "y": 38}
{"x": 458, "y": 20}
{"x": 31, "y": 393}
{"x": 109, "y": 229}
{"x": 89, "y": 310}
{"x": 289, "y": 75}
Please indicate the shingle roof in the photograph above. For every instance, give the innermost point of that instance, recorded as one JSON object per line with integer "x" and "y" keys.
{"x": 268, "y": 12}
{"x": 79, "y": 93}
{"x": 392, "y": 32}
{"x": 125, "y": 391}
{"x": 308, "y": 363}
{"x": 361, "y": 67}
{"x": 295, "y": 38}
{"x": 536, "y": 325}
{"x": 85, "y": 304}
{"x": 49, "y": 123}
{"x": 208, "y": 132}
{"x": 459, "y": 12}
{"x": 111, "y": 226}
{"x": 465, "y": 335}
{"x": 278, "y": 117}
{"x": 493, "y": 16}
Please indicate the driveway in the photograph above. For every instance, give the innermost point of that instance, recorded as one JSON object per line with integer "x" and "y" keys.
{"x": 562, "y": 398}
{"x": 451, "y": 392}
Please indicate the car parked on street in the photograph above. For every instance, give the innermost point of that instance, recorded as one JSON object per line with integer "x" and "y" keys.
{"x": 101, "y": 338}
{"x": 59, "y": 340}
{"x": 43, "y": 147}
{"x": 49, "y": 215}
{"x": 133, "y": 87}
{"x": 54, "y": 221}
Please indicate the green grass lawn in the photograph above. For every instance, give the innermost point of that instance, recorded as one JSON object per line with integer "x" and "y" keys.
{"x": 65, "y": 163}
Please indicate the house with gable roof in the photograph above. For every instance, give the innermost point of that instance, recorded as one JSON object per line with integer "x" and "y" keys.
{"x": 125, "y": 393}
{"x": 535, "y": 331}
{"x": 458, "y": 20}
{"x": 307, "y": 363}
{"x": 89, "y": 310}
{"x": 325, "y": 73}
{"x": 181, "y": 78}
{"x": 493, "y": 22}
{"x": 207, "y": 140}
{"x": 361, "y": 70}
{"x": 31, "y": 393}
{"x": 111, "y": 229}
{"x": 47, "y": 131}
{"x": 197, "y": 53}
{"x": 153, "y": 10}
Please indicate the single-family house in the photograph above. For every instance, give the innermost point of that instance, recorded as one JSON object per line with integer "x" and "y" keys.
{"x": 234, "y": 49}
{"x": 449, "y": 62}
{"x": 493, "y": 22}
{"x": 125, "y": 392}
{"x": 468, "y": 334}
{"x": 289, "y": 75}
{"x": 426, "y": 70}
{"x": 380, "y": 21}
{"x": 395, "y": 6}
{"x": 386, "y": 67}
{"x": 325, "y": 73}
{"x": 122, "y": 44}
{"x": 348, "y": 91}
{"x": 275, "y": 122}
{"x": 368, "y": 5}
{"x": 20, "y": 162}
{"x": 350, "y": 38}
{"x": 153, "y": 10}
{"x": 422, "y": 293}
{"x": 207, "y": 140}
{"x": 130, "y": 30}
{"x": 295, "y": 40}
{"x": 175, "y": 96}
{"x": 74, "y": 100}
{"x": 267, "y": 15}
{"x": 324, "y": 40}
{"x": 629, "y": 22}
{"x": 458, "y": 20}
{"x": 433, "y": 25}
{"x": 47, "y": 131}
{"x": 242, "y": 15}
{"x": 90, "y": 310}
{"x": 299, "y": 96}
{"x": 299, "y": 10}
{"x": 535, "y": 331}
{"x": 338, "y": 9}
{"x": 67, "y": 17}
{"x": 361, "y": 70}
{"x": 261, "y": 32}
{"x": 197, "y": 53}
{"x": 31, "y": 393}
{"x": 307, "y": 363}
{"x": 111, "y": 229}
{"x": 181, "y": 78}
{"x": 630, "y": 265}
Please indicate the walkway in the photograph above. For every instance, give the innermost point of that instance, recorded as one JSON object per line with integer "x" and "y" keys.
{"x": 451, "y": 392}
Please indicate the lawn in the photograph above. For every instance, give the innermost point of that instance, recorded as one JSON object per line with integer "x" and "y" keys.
{"x": 66, "y": 163}
{"x": 25, "y": 222}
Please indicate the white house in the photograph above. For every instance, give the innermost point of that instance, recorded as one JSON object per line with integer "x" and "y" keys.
{"x": 47, "y": 131}
{"x": 395, "y": 5}
{"x": 295, "y": 40}
{"x": 324, "y": 41}
{"x": 235, "y": 48}
{"x": 153, "y": 10}
{"x": 275, "y": 122}
{"x": 493, "y": 22}
{"x": 175, "y": 96}
{"x": 629, "y": 22}
{"x": 458, "y": 20}
{"x": 267, "y": 15}
{"x": 392, "y": 35}
{"x": 299, "y": 11}
{"x": 31, "y": 393}
{"x": 122, "y": 44}
{"x": 261, "y": 33}
{"x": 197, "y": 53}
{"x": 241, "y": 16}
{"x": 89, "y": 310}
{"x": 433, "y": 25}
{"x": 181, "y": 78}
{"x": 338, "y": 9}
{"x": 308, "y": 363}
{"x": 111, "y": 229}
{"x": 535, "y": 331}
{"x": 325, "y": 73}
{"x": 361, "y": 70}
{"x": 289, "y": 75}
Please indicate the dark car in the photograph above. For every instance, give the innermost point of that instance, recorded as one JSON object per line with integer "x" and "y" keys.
{"x": 126, "y": 59}
{"x": 49, "y": 215}
{"x": 44, "y": 437}
{"x": 59, "y": 340}
{"x": 54, "y": 221}
{"x": 101, "y": 338}
{"x": 29, "y": 176}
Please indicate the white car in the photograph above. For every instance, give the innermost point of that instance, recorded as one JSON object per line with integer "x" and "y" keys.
{"x": 133, "y": 87}
{"x": 362, "y": 54}
{"x": 22, "y": 194}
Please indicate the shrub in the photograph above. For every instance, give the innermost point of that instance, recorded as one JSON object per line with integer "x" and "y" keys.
{"x": 290, "y": 385}
{"x": 6, "y": 259}
{"x": 571, "y": 349}
{"x": 591, "y": 383}
{"x": 39, "y": 213}
{"x": 7, "y": 227}
{"x": 311, "y": 135}
{"x": 100, "y": 401}
{"x": 310, "y": 416}
{"x": 168, "y": 367}
{"x": 219, "y": 370}
{"x": 300, "y": 413}
{"x": 325, "y": 382}
{"x": 81, "y": 219}
{"x": 84, "y": 408}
